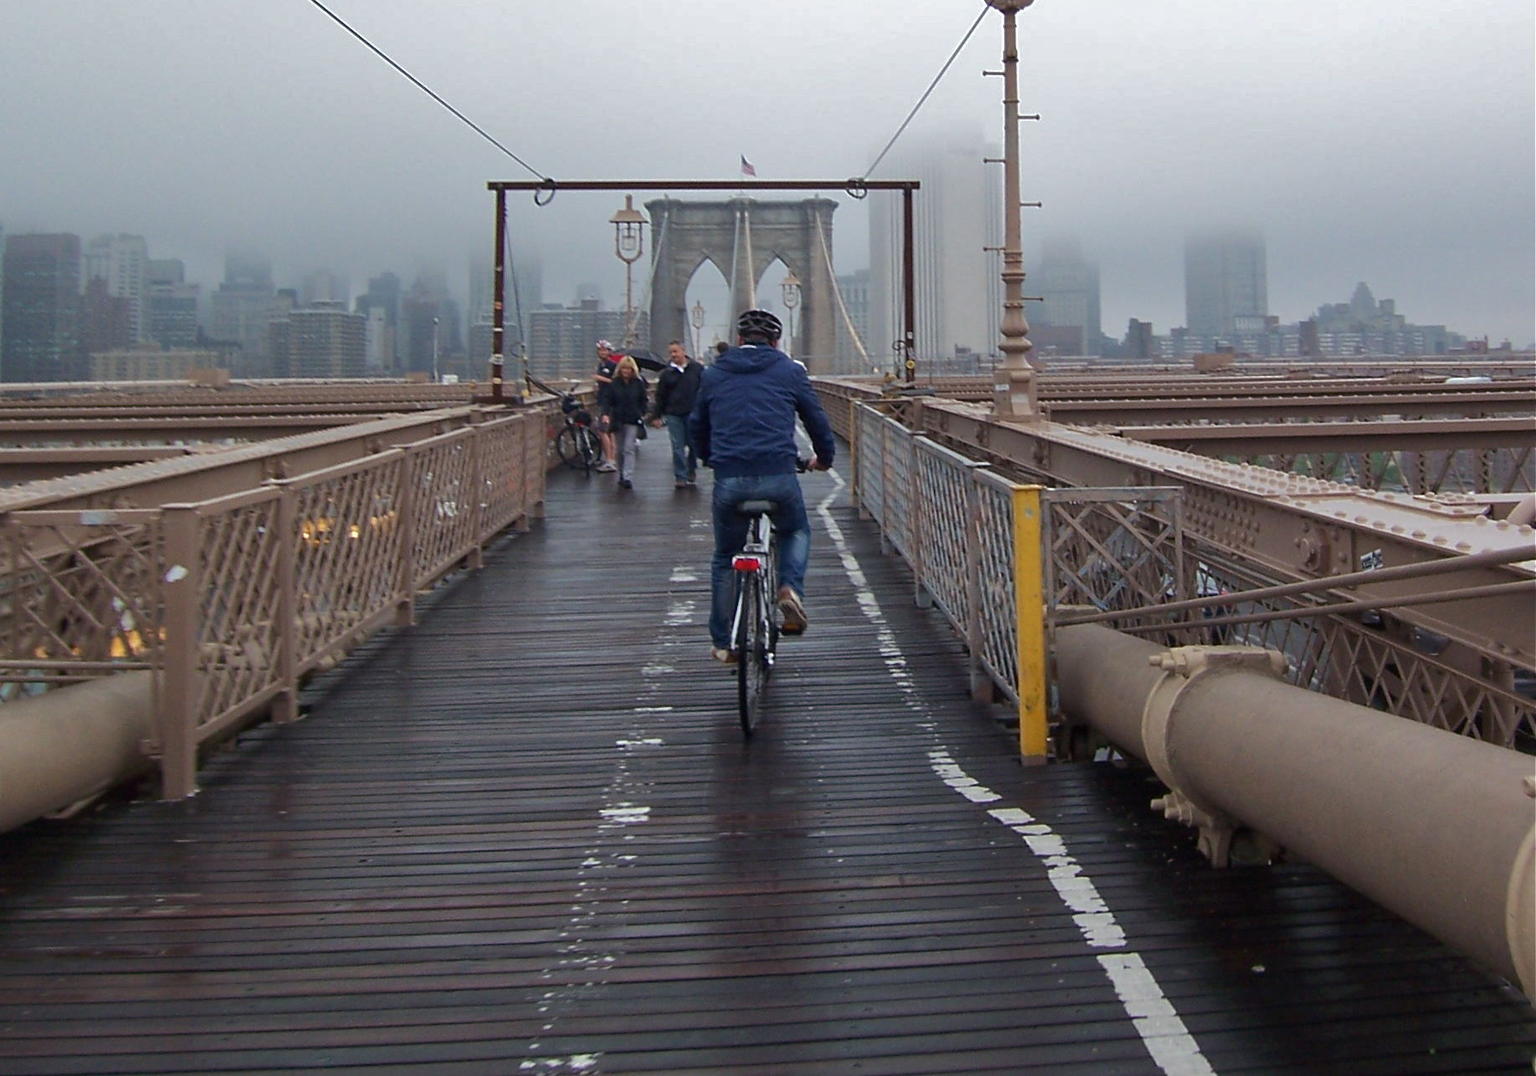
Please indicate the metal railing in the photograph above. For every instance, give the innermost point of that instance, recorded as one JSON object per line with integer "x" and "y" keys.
{"x": 964, "y": 531}
{"x": 232, "y": 600}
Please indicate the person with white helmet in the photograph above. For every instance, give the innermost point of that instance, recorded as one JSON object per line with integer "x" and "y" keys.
{"x": 607, "y": 363}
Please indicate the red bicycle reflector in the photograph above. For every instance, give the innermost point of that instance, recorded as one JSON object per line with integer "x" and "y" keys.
{"x": 746, "y": 564}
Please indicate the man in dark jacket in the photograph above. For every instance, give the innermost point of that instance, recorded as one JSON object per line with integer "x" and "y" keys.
{"x": 676, "y": 390}
{"x": 743, "y": 426}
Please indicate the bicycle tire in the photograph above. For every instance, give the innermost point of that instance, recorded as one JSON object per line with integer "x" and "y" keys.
{"x": 578, "y": 448}
{"x": 568, "y": 447}
{"x": 754, "y": 654}
{"x": 590, "y": 447}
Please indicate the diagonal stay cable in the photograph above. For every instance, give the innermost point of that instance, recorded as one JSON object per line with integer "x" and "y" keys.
{"x": 926, "y": 93}
{"x": 427, "y": 89}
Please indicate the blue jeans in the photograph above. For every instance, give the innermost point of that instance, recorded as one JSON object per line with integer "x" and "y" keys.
{"x": 791, "y": 526}
{"x": 684, "y": 463}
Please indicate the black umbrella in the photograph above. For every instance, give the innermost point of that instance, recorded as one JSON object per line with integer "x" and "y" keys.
{"x": 647, "y": 360}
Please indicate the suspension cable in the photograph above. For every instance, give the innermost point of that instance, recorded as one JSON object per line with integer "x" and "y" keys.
{"x": 931, "y": 86}
{"x": 650, "y": 279}
{"x": 428, "y": 90}
{"x": 837, "y": 293}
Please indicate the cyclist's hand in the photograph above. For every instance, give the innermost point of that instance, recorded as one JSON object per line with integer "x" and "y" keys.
{"x": 817, "y": 465}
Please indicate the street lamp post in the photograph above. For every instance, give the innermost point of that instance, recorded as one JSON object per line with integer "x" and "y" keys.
{"x": 435, "y": 377}
{"x": 789, "y": 291}
{"x": 628, "y": 243}
{"x": 1013, "y": 388}
{"x": 696, "y": 318}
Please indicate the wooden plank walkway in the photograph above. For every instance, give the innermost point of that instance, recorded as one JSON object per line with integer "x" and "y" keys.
{"x": 525, "y": 836}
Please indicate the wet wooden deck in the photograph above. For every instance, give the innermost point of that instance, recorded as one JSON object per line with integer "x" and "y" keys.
{"x": 526, "y": 836}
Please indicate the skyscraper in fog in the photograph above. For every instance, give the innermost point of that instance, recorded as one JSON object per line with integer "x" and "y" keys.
{"x": 958, "y": 212}
{"x": 1067, "y": 317}
{"x": 1224, "y": 279}
{"x": 171, "y": 303}
{"x": 243, "y": 307}
{"x": 41, "y": 287}
{"x": 121, "y": 261}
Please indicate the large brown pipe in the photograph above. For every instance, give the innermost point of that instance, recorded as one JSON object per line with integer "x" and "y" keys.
{"x": 1437, "y": 827}
{"x": 71, "y": 743}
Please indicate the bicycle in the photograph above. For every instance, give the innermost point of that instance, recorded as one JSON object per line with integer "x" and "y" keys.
{"x": 576, "y": 442}
{"x": 755, "y": 626}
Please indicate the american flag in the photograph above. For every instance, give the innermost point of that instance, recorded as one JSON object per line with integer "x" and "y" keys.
{"x": 746, "y": 167}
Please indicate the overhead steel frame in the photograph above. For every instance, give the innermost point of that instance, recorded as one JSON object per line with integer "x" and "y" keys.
{"x": 545, "y": 190}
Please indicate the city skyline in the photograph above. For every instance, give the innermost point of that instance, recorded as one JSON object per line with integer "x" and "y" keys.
{"x": 1391, "y": 141}
{"x": 428, "y": 323}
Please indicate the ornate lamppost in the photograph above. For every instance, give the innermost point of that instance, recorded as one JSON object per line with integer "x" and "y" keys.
{"x": 1013, "y": 388}
{"x": 789, "y": 291}
{"x": 629, "y": 243}
{"x": 696, "y": 319}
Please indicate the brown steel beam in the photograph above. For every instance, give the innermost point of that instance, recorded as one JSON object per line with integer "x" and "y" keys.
{"x": 35, "y": 464}
{"x": 201, "y": 476}
{"x": 1262, "y": 439}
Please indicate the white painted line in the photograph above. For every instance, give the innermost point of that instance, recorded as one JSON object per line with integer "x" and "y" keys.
{"x": 1162, "y": 1031}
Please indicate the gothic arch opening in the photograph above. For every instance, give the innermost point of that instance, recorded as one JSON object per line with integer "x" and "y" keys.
{"x": 707, "y": 298}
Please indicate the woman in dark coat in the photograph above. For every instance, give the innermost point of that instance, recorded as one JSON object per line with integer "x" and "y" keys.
{"x": 622, "y": 402}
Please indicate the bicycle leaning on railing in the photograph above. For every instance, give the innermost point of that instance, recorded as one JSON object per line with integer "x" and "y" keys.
{"x": 576, "y": 442}
{"x": 755, "y": 626}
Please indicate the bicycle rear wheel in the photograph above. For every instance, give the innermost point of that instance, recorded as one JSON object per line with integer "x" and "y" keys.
{"x": 754, "y": 650}
{"x": 590, "y": 448}
{"x": 568, "y": 445}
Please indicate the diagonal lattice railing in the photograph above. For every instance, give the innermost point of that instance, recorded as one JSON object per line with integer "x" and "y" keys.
{"x": 231, "y": 600}
{"x": 1352, "y": 658}
{"x": 79, "y": 596}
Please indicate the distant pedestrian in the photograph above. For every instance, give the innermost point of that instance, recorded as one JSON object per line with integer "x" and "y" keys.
{"x": 676, "y": 390}
{"x": 607, "y": 361}
{"x": 721, "y": 347}
{"x": 622, "y": 402}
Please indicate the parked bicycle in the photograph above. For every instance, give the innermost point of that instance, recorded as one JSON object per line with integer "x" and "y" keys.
{"x": 576, "y": 442}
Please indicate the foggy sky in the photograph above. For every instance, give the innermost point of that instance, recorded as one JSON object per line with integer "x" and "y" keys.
{"x": 1389, "y": 141}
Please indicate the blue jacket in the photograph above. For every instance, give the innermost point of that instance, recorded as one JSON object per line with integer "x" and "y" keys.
{"x": 743, "y": 422}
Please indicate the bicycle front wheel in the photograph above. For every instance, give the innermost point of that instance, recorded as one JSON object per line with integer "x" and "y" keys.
{"x": 754, "y": 649}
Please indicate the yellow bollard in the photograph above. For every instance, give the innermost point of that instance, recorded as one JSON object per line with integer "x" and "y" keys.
{"x": 1029, "y": 609}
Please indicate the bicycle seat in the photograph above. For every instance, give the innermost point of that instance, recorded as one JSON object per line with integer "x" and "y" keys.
{"x": 757, "y": 508}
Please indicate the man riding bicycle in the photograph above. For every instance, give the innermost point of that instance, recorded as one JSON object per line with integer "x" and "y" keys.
{"x": 743, "y": 426}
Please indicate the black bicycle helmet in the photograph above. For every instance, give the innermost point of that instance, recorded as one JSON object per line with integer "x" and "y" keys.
{"x": 759, "y": 325}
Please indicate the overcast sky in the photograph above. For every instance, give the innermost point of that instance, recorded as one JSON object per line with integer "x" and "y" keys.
{"x": 1389, "y": 141}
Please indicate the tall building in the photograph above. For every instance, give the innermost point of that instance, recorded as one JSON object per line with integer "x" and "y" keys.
{"x": 320, "y": 340}
{"x": 380, "y": 304}
{"x": 562, "y": 342}
{"x": 122, "y": 261}
{"x": 41, "y": 286}
{"x": 958, "y": 213}
{"x": 1224, "y": 280}
{"x": 243, "y": 308}
{"x": 105, "y": 322}
{"x": 171, "y": 304}
{"x": 1067, "y": 317}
